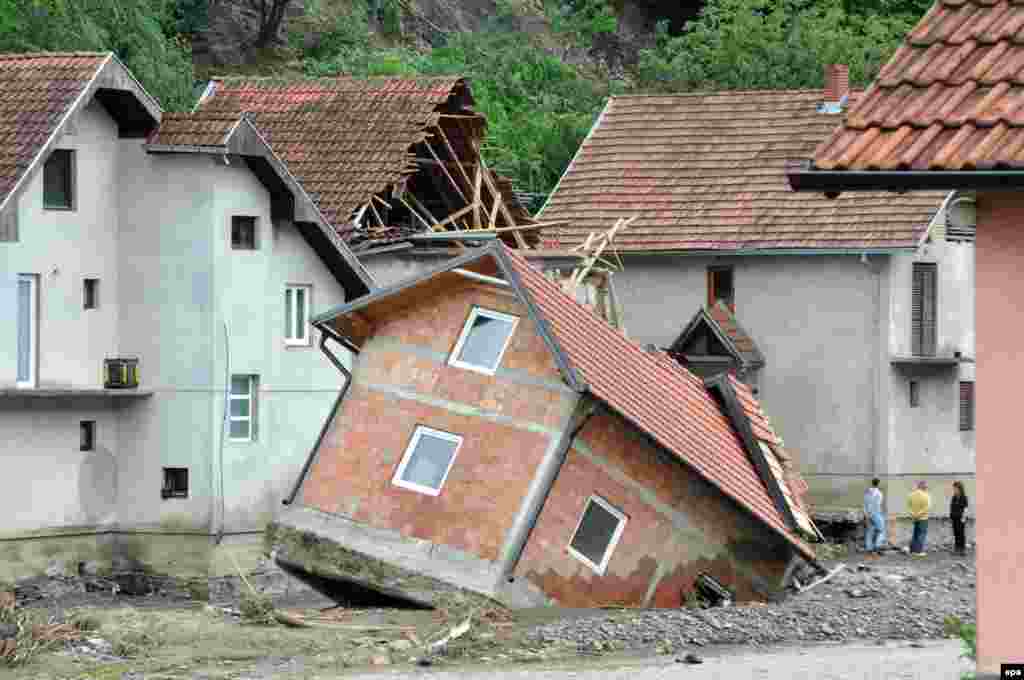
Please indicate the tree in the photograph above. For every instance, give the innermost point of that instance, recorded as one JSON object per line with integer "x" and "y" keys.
{"x": 770, "y": 44}
{"x": 271, "y": 16}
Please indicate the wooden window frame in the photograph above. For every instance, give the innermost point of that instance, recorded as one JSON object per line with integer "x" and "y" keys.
{"x": 410, "y": 450}
{"x": 467, "y": 328}
{"x": 924, "y": 322}
{"x": 712, "y": 286}
{"x": 966, "y": 415}
{"x": 616, "y": 535}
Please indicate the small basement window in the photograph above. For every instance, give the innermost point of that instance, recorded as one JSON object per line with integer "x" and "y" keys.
{"x": 58, "y": 180}
{"x": 597, "y": 533}
{"x": 175, "y": 483}
{"x": 427, "y": 460}
{"x": 483, "y": 340}
{"x": 90, "y": 293}
{"x": 87, "y": 435}
{"x": 243, "y": 232}
{"x": 966, "y": 406}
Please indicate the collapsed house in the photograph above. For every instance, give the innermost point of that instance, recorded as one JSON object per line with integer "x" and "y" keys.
{"x": 495, "y": 435}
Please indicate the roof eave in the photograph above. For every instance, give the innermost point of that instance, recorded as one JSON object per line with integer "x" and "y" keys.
{"x": 833, "y": 182}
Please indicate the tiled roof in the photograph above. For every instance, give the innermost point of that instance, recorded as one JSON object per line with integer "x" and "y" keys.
{"x": 722, "y": 317}
{"x": 951, "y": 98}
{"x": 708, "y": 172}
{"x": 344, "y": 139}
{"x": 763, "y": 430}
{"x": 653, "y": 392}
{"x": 36, "y": 91}
{"x": 206, "y": 129}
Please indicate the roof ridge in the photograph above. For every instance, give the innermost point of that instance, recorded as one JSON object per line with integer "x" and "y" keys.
{"x": 727, "y": 92}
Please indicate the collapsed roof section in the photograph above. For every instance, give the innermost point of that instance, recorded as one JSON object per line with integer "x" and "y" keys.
{"x": 675, "y": 408}
{"x": 388, "y": 161}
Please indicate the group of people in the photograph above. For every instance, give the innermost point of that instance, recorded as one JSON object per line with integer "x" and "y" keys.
{"x": 919, "y": 503}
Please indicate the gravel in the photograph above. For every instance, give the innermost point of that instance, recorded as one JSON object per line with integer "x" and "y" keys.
{"x": 894, "y": 598}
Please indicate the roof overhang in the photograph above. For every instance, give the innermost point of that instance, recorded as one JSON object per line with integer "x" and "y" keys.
{"x": 804, "y": 177}
{"x": 288, "y": 197}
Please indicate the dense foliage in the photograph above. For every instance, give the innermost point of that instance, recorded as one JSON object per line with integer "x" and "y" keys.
{"x": 145, "y": 34}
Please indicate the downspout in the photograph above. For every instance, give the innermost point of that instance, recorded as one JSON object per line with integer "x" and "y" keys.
{"x": 219, "y": 516}
{"x": 325, "y": 335}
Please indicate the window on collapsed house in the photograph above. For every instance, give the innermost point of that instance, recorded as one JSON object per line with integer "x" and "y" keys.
{"x": 242, "y": 416}
{"x": 966, "y": 406}
{"x": 923, "y": 309}
{"x": 720, "y": 287}
{"x": 59, "y": 180}
{"x": 87, "y": 435}
{"x": 597, "y": 534}
{"x": 243, "y": 233}
{"x": 296, "y": 315}
{"x": 915, "y": 394}
{"x": 175, "y": 483}
{"x": 427, "y": 461}
{"x": 483, "y": 340}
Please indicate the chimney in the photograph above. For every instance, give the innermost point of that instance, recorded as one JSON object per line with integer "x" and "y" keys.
{"x": 837, "y": 88}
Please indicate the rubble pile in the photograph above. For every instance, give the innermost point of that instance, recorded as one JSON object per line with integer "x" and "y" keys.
{"x": 892, "y": 599}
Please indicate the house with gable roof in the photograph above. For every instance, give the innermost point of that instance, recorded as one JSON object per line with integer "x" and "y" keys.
{"x": 200, "y": 267}
{"x": 852, "y": 319}
{"x": 945, "y": 114}
{"x": 496, "y": 436}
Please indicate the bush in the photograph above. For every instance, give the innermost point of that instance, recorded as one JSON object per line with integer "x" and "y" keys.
{"x": 256, "y": 608}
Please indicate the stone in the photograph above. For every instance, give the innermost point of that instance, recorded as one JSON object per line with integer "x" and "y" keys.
{"x": 380, "y": 660}
{"x": 55, "y": 568}
{"x": 8, "y": 631}
{"x": 424, "y": 661}
{"x": 400, "y": 645}
{"x": 692, "y": 658}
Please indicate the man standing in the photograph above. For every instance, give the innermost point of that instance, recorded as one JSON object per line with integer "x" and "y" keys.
{"x": 919, "y": 503}
{"x": 874, "y": 535}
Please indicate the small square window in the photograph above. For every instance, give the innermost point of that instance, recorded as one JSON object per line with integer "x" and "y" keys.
{"x": 966, "y": 406}
{"x": 90, "y": 293}
{"x": 242, "y": 416}
{"x": 915, "y": 394}
{"x": 296, "y": 315}
{"x": 597, "y": 533}
{"x": 87, "y": 435}
{"x": 175, "y": 483}
{"x": 427, "y": 461}
{"x": 243, "y": 232}
{"x": 483, "y": 340}
{"x": 58, "y": 180}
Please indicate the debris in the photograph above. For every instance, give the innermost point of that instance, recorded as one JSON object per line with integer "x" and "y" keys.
{"x": 690, "y": 658}
{"x": 713, "y": 592}
{"x": 290, "y": 619}
{"x": 380, "y": 660}
{"x": 454, "y": 634}
{"x": 7, "y": 600}
{"x": 823, "y": 579}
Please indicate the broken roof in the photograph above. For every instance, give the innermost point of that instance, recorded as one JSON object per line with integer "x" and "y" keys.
{"x": 40, "y": 91}
{"x": 707, "y": 172}
{"x": 721, "y": 321}
{"x": 649, "y": 389}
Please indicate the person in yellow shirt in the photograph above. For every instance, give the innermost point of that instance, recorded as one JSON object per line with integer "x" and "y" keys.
{"x": 919, "y": 503}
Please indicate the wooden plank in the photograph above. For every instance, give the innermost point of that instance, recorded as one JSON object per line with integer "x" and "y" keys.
{"x": 376, "y": 214}
{"x": 476, "y": 199}
{"x": 451, "y": 218}
{"x": 422, "y": 208}
{"x": 414, "y": 213}
{"x": 494, "y": 191}
{"x": 451, "y": 150}
{"x": 444, "y": 169}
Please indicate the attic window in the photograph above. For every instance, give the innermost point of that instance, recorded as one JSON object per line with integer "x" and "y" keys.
{"x": 58, "y": 180}
{"x": 243, "y": 232}
{"x": 427, "y": 461}
{"x": 720, "y": 287}
{"x": 599, "y": 530}
{"x": 961, "y": 220}
{"x": 483, "y": 340}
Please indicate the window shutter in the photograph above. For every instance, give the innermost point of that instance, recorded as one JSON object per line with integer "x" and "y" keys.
{"x": 924, "y": 309}
{"x": 966, "y": 406}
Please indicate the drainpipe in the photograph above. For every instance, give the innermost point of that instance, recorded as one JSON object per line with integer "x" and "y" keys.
{"x": 325, "y": 335}
{"x": 219, "y": 495}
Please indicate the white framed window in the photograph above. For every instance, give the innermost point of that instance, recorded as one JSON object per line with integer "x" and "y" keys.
{"x": 296, "y": 314}
{"x": 242, "y": 416}
{"x": 28, "y": 330}
{"x": 597, "y": 533}
{"x": 428, "y": 459}
{"x": 483, "y": 340}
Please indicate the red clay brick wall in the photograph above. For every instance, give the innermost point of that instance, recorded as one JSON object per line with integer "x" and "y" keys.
{"x": 496, "y": 462}
{"x": 721, "y": 541}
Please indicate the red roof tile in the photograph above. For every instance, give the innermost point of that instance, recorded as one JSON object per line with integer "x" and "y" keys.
{"x": 708, "y": 172}
{"x": 195, "y": 129}
{"x": 657, "y": 395}
{"x": 951, "y": 98}
{"x": 36, "y": 91}
{"x": 344, "y": 139}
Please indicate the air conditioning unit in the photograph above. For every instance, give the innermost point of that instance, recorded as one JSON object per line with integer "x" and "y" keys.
{"x": 120, "y": 373}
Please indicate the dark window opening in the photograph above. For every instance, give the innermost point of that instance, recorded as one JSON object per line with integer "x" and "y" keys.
{"x": 58, "y": 180}
{"x": 243, "y": 232}
{"x": 966, "y": 406}
{"x": 720, "y": 287}
{"x": 915, "y": 394}
{"x": 87, "y": 435}
{"x": 923, "y": 309}
{"x": 175, "y": 483}
{"x": 91, "y": 294}
{"x": 597, "y": 533}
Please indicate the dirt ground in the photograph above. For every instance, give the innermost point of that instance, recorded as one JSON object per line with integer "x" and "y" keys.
{"x": 895, "y": 599}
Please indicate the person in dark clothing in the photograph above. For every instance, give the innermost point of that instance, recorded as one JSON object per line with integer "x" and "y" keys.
{"x": 957, "y": 505}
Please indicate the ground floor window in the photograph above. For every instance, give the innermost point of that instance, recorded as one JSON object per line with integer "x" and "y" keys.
{"x": 243, "y": 408}
{"x": 175, "y": 483}
{"x": 87, "y": 435}
{"x": 427, "y": 461}
{"x": 597, "y": 533}
{"x": 27, "y": 329}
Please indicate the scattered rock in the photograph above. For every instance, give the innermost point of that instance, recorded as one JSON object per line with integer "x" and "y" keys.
{"x": 8, "y": 631}
{"x": 691, "y": 658}
{"x": 380, "y": 660}
{"x": 424, "y": 661}
{"x": 400, "y": 645}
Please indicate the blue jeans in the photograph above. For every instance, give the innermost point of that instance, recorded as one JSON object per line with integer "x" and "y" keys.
{"x": 920, "y": 535}
{"x": 874, "y": 536}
